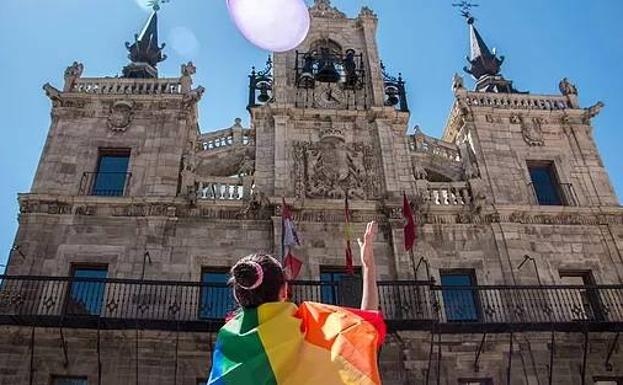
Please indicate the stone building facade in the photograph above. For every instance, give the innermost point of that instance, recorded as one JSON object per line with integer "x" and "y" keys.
{"x": 513, "y": 197}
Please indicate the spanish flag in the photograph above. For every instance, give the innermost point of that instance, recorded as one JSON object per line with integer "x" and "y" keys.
{"x": 280, "y": 344}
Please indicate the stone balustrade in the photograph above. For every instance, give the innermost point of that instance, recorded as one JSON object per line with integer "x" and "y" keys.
{"x": 421, "y": 143}
{"x": 222, "y": 189}
{"x": 518, "y": 101}
{"x": 119, "y": 86}
{"x": 449, "y": 194}
{"x": 226, "y": 138}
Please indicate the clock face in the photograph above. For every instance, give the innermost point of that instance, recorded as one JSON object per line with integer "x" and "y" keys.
{"x": 329, "y": 97}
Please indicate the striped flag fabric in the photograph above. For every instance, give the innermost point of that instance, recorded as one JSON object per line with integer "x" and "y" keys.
{"x": 289, "y": 239}
{"x": 280, "y": 344}
{"x": 348, "y": 235}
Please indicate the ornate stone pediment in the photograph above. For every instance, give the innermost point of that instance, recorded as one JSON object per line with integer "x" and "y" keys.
{"x": 330, "y": 169}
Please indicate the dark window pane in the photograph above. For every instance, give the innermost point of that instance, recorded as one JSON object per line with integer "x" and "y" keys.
{"x": 69, "y": 381}
{"x": 330, "y": 292}
{"x": 111, "y": 175}
{"x": 545, "y": 185}
{"x": 217, "y": 299}
{"x": 86, "y": 298}
{"x": 460, "y": 304}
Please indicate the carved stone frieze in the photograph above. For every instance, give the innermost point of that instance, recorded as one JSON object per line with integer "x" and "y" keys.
{"x": 331, "y": 169}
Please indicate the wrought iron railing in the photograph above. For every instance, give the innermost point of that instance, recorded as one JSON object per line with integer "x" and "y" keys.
{"x": 106, "y": 184}
{"x": 407, "y": 305}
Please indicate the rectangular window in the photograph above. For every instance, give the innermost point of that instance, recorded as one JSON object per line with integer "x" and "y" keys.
{"x": 86, "y": 296}
{"x": 545, "y": 183}
{"x": 585, "y": 303}
{"x": 112, "y": 173}
{"x": 460, "y": 303}
{"x": 217, "y": 299}
{"x": 57, "y": 380}
{"x": 340, "y": 288}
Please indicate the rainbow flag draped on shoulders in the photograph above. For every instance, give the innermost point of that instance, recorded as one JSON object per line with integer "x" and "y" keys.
{"x": 280, "y": 344}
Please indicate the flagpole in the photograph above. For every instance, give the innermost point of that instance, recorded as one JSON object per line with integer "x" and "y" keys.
{"x": 412, "y": 255}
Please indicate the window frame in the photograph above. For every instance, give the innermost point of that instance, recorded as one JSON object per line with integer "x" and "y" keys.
{"x": 473, "y": 277}
{"x": 68, "y": 296}
{"x": 203, "y": 290}
{"x": 334, "y": 285}
{"x": 480, "y": 381}
{"x": 113, "y": 152}
{"x": 617, "y": 379}
{"x": 555, "y": 177}
{"x": 55, "y": 377}
{"x": 591, "y": 295}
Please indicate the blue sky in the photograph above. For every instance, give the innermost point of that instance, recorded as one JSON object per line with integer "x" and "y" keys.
{"x": 543, "y": 41}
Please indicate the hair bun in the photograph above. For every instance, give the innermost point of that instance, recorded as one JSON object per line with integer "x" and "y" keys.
{"x": 249, "y": 275}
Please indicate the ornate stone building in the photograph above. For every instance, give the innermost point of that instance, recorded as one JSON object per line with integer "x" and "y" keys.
{"x": 134, "y": 216}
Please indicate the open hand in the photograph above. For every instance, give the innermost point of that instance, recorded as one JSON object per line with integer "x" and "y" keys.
{"x": 367, "y": 248}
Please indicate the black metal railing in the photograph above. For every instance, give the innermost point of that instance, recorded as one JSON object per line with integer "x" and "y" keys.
{"x": 194, "y": 306}
{"x": 107, "y": 184}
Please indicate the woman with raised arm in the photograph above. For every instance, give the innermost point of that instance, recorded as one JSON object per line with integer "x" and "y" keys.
{"x": 273, "y": 342}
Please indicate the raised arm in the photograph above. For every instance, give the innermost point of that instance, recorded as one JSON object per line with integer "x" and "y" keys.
{"x": 370, "y": 297}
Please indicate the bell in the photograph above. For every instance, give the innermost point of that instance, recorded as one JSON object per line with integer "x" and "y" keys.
{"x": 327, "y": 73}
{"x": 392, "y": 96}
{"x": 264, "y": 96}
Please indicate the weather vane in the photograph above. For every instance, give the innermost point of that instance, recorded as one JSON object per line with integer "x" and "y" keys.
{"x": 155, "y": 4}
{"x": 465, "y": 8}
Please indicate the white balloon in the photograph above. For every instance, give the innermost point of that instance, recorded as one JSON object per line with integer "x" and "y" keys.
{"x": 274, "y": 25}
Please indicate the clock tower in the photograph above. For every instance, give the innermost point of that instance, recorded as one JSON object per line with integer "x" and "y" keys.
{"x": 324, "y": 111}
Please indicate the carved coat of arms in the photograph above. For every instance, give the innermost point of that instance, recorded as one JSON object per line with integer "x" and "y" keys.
{"x": 331, "y": 169}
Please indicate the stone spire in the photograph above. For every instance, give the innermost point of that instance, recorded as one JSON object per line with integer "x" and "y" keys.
{"x": 145, "y": 52}
{"x": 323, "y": 8}
{"x": 485, "y": 65}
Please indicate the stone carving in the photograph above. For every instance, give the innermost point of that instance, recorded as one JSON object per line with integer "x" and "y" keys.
{"x": 419, "y": 172}
{"x": 468, "y": 158}
{"x": 53, "y": 94}
{"x": 479, "y": 196}
{"x": 247, "y": 166}
{"x": 493, "y": 119}
{"x": 592, "y": 111}
{"x": 567, "y": 88}
{"x": 72, "y": 73}
{"x": 367, "y": 12}
{"x": 120, "y": 118}
{"x": 323, "y": 8}
{"x": 464, "y": 110}
{"x": 258, "y": 206}
{"x": 192, "y": 97}
{"x": 189, "y": 177}
{"x": 331, "y": 169}
{"x": 188, "y": 69}
{"x": 532, "y": 131}
{"x": 458, "y": 83}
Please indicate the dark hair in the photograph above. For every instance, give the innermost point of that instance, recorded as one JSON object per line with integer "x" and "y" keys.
{"x": 252, "y": 290}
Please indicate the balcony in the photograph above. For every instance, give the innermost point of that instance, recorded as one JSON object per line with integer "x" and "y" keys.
{"x": 407, "y": 305}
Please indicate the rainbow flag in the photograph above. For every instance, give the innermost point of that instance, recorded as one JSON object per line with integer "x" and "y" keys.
{"x": 280, "y": 344}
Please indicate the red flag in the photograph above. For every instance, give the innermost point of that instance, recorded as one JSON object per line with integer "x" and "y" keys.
{"x": 292, "y": 266}
{"x": 348, "y": 234}
{"x": 410, "y": 234}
